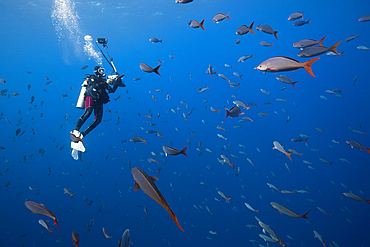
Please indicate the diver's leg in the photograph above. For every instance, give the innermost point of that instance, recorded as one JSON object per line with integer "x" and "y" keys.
{"x": 98, "y": 112}
{"x": 86, "y": 114}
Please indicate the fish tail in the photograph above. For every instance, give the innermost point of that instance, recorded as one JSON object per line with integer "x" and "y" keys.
{"x": 288, "y": 154}
{"x": 251, "y": 28}
{"x": 227, "y": 113}
{"x": 227, "y": 16}
{"x": 202, "y": 24}
{"x": 248, "y": 107}
{"x": 276, "y": 35}
{"x": 161, "y": 41}
{"x": 218, "y": 111}
{"x": 293, "y": 84}
{"x": 333, "y": 48}
{"x": 308, "y": 22}
{"x": 305, "y": 140}
{"x": 321, "y": 40}
{"x": 307, "y": 66}
{"x": 342, "y": 53}
{"x": 155, "y": 70}
{"x": 271, "y": 45}
{"x": 305, "y": 215}
{"x": 267, "y": 113}
{"x": 184, "y": 150}
{"x": 367, "y": 150}
{"x": 56, "y": 223}
{"x": 145, "y": 142}
{"x": 174, "y": 218}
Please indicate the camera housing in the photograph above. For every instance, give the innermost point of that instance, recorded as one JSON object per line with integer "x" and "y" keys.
{"x": 102, "y": 41}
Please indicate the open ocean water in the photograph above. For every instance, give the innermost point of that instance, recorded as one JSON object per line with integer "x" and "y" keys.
{"x": 42, "y": 56}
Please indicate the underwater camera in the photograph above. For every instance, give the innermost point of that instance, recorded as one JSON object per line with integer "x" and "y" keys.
{"x": 102, "y": 41}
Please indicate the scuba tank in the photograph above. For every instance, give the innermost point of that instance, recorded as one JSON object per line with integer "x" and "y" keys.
{"x": 81, "y": 98}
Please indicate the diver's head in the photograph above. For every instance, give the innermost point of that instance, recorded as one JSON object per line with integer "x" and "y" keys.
{"x": 99, "y": 70}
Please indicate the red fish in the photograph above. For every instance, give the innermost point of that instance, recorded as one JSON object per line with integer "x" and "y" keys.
{"x": 75, "y": 238}
{"x": 40, "y": 209}
{"x": 146, "y": 183}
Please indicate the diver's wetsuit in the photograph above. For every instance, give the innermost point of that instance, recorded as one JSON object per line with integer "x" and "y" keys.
{"x": 96, "y": 96}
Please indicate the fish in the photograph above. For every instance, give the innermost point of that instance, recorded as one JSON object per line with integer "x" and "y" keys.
{"x": 243, "y": 58}
{"x": 83, "y": 67}
{"x": 273, "y": 235}
{"x": 210, "y": 71}
{"x": 317, "y": 235}
{"x": 233, "y": 112}
{"x": 288, "y": 212}
{"x": 76, "y": 138}
{"x": 280, "y": 148}
{"x": 125, "y": 239}
{"x": 67, "y": 191}
{"x": 278, "y": 64}
{"x": 265, "y": 43}
{"x": 355, "y": 144}
{"x": 325, "y": 161}
{"x": 267, "y": 29}
{"x": 183, "y": 1}
{"x": 214, "y": 110}
{"x": 301, "y": 23}
{"x": 362, "y": 47}
{"x": 203, "y": 89}
{"x": 273, "y": 187}
{"x": 146, "y": 183}
{"x": 174, "y": 152}
{"x": 307, "y": 43}
{"x": 155, "y": 40}
{"x": 91, "y": 223}
{"x": 299, "y": 139}
{"x": 351, "y": 37}
{"x": 42, "y": 210}
{"x": 237, "y": 42}
{"x": 224, "y": 77}
{"x": 223, "y": 196}
{"x": 295, "y": 16}
{"x": 146, "y": 68}
{"x": 250, "y": 207}
{"x": 285, "y": 79}
{"x": 323, "y": 211}
{"x": 195, "y": 24}
{"x": 313, "y": 51}
{"x": 355, "y": 197}
{"x": 136, "y": 139}
{"x": 105, "y": 232}
{"x": 75, "y": 238}
{"x": 220, "y": 17}
{"x": 226, "y": 160}
{"x": 44, "y": 224}
{"x": 244, "y": 29}
{"x": 241, "y": 104}
{"x": 364, "y": 18}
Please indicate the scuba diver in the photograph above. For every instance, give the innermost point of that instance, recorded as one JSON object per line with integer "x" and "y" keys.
{"x": 93, "y": 95}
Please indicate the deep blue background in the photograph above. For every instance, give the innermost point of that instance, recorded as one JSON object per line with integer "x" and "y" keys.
{"x": 31, "y": 41}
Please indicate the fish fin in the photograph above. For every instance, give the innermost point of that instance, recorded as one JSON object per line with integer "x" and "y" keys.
{"x": 56, "y": 223}
{"x": 321, "y": 40}
{"x": 184, "y": 150}
{"x": 153, "y": 178}
{"x": 227, "y": 16}
{"x": 174, "y": 218}
{"x": 161, "y": 41}
{"x": 305, "y": 215}
{"x": 276, "y": 35}
{"x": 367, "y": 150}
{"x": 271, "y": 45}
{"x": 293, "y": 84}
{"x": 136, "y": 186}
{"x": 248, "y": 107}
{"x": 307, "y": 66}
{"x": 342, "y": 53}
{"x": 155, "y": 70}
{"x": 288, "y": 154}
{"x": 227, "y": 113}
{"x": 333, "y": 48}
{"x": 308, "y": 22}
{"x": 251, "y": 28}
{"x": 202, "y": 24}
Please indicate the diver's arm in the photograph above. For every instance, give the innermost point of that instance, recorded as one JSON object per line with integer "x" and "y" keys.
{"x": 112, "y": 90}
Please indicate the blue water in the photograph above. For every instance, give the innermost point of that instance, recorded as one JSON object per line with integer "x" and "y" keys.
{"x": 35, "y": 45}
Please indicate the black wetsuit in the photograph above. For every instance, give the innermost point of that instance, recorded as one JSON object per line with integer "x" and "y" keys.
{"x": 96, "y": 96}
